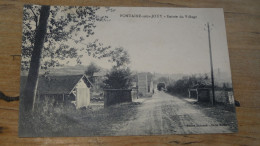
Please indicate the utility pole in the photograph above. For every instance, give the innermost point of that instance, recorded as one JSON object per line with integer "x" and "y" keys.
{"x": 211, "y": 65}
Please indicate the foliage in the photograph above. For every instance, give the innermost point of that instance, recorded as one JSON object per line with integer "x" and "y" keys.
{"x": 120, "y": 57}
{"x": 120, "y": 76}
{"x": 66, "y": 26}
{"x": 61, "y": 37}
{"x": 65, "y": 120}
{"x": 118, "y": 79}
{"x": 181, "y": 86}
{"x": 91, "y": 69}
{"x": 163, "y": 80}
{"x": 67, "y": 30}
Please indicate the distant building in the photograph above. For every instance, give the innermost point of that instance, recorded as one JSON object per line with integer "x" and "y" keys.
{"x": 145, "y": 83}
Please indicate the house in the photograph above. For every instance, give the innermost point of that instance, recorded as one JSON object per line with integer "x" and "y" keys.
{"x": 73, "y": 89}
{"x": 145, "y": 83}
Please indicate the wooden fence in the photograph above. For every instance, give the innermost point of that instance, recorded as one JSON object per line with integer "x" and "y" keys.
{"x": 116, "y": 96}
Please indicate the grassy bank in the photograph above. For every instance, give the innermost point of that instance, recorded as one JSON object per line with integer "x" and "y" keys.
{"x": 225, "y": 114}
{"x": 61, "y": 120}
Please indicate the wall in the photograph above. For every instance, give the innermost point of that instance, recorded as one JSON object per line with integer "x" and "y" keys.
{"x": 203, "y": 95}
{"x": 83, "y": 94}
{"x": 221, "y": 96}
{"x": 142, "y": 83}
{"x": 116, "y": 96}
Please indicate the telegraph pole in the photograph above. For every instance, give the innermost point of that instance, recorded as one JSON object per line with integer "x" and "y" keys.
{"x": 211, "y": 65}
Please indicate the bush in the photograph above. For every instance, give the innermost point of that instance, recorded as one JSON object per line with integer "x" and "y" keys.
{"x": 49, "y": 118}
{"x": 181, "y": 86}
{"x": 118, "y": 79}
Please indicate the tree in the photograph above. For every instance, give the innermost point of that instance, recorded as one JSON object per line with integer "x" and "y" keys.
{"x": 64, "y": 37}
{"x": 181, "y": 86}
{"x": 91, "y": 69}
{"x": 47, "y": 33}
{"x": 120, "y": 56}
{"x": 118, "y": 79}
{"x": 31, "y": 84}
{"x": 164, "y": 80}
{"x": 120, "y": 76}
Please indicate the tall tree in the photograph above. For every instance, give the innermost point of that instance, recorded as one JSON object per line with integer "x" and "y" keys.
{"x": 31, "y": 84}
{"x": 51, "y": 34}
{"x": 120, "y": 76}
{"x": 120, "y": 57}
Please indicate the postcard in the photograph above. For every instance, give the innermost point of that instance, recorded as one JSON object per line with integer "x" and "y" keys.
{"x": 119, "y": 71}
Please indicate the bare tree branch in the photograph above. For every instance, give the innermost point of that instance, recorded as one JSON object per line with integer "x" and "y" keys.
{"x": 35, "y": 17}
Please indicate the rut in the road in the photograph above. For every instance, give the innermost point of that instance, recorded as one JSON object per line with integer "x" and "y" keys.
{"x": 166, "y": 114}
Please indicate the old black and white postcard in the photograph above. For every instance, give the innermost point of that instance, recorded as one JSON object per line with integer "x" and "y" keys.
{"x": 115, "y": 71}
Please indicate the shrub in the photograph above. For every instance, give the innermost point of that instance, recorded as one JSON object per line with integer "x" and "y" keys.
{"x": 49, "y": 118}
{"x": 181, "y": 86}
{"x": 118, "y": 79}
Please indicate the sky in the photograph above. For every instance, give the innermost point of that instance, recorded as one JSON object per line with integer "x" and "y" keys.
{"x": 163, "y": 44}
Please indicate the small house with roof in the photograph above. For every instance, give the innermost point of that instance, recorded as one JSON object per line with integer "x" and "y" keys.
{"x": 201, "y": 92}
{"x": 73, "y": 89}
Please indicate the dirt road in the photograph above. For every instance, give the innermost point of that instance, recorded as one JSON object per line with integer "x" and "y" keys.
{"x": 166, "y": 114}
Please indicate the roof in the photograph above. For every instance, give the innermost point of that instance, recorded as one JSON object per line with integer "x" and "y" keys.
{"x": 57, "y": 84}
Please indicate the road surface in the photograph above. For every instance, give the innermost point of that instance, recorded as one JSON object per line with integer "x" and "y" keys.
{"x": 167, "y": 114}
